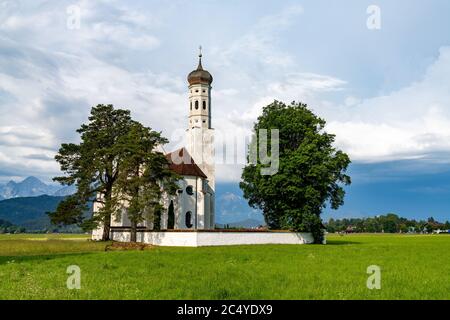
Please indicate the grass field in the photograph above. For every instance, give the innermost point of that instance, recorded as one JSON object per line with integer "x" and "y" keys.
{"x": 412, "y": 267}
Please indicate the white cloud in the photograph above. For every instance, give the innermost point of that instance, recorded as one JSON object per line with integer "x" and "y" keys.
{"x": 410, "y": 123}
{"x": 258, "y": 45}
{"x": 228, "y": 172}
{"x": 230, "y": 197}
{"x": 50, "y": 76}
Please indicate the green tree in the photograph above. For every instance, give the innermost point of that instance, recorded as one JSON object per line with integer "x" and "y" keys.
{"x": 93, "y": 166}
{"x": 390, "y": 223}
{"x": 311, "y": 171}
{"x": 447, "y": 225}
{"x": 170, "y": 216}
{"x": 332, "y": 226}
{"x": 144, "y": 174}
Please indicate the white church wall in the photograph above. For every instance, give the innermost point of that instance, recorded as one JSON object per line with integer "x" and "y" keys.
{"x": 187, "y": 202}
{"x": 200, "y": 214}
{"x": 122, "y": 220}
{"x": 97, "y": 233}
{"x": 202, "y": 239}
{"x": 250, "y": 238}
{"x": 170, "y": 239}
{"x": 125, "y": 236}
{"x": 200, "y": 145}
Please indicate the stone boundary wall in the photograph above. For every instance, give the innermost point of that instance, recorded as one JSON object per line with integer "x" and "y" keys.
{"x": 202, "y": 239}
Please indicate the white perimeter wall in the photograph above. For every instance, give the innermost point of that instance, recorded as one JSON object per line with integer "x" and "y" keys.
{"x": 201, "y": 239}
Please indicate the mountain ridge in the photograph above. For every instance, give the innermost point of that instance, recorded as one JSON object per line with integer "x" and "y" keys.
{"x": 32, "y": 187}
{"x": 31, "y": 212}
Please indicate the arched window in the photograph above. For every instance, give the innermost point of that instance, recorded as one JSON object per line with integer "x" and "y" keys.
{"x": 204, "y": 105}
{"x": 191, "y": 105}
{"x": 189, "y": 219}
{"x": 190, "y": 190}
{"x": 196, "y": 105}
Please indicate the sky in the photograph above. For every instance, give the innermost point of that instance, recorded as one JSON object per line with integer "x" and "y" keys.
{"x": 384, "y": 92}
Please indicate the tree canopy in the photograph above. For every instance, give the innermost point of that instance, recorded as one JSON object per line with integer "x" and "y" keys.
{"x": 111, "y": 144}
{"x": 144, "y": 174}
{"x": 310, "y": 175}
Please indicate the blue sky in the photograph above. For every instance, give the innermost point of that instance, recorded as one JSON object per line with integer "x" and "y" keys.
{"x": 385, "y": 93}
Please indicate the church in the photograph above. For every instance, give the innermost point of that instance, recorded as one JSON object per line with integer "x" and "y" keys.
{"x": 193, "y": 206}
{"x": 189, "y": 217}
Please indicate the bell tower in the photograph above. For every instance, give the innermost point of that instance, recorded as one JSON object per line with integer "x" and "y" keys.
{"x": 200, "y": 134}
{"x": 200, "y": 139}
{"x": 200, "y": 96}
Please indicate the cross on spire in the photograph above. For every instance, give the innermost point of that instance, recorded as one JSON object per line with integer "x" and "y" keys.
{"x": 200, "y": 55}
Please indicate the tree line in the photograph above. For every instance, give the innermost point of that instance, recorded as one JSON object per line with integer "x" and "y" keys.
{"x": 8, "y": 227}
{"x": 389, "y": 223}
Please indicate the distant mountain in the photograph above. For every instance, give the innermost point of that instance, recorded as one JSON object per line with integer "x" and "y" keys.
{"x": 32, "y": 187}
{"x": 65, "y": 191}
{"x": 30, "y": 212}
{"x": 231, "y": 206}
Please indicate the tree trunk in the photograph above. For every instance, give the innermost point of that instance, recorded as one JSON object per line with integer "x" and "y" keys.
{"x": 106, "y": 228}
{"x": 133, "y": 231}
{"x": 107, "y": 217}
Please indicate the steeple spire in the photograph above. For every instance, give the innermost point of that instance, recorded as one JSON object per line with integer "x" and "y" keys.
{"x": 200, "y": 67}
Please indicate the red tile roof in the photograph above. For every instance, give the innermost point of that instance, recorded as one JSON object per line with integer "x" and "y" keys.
{"x": 185, "y": 169}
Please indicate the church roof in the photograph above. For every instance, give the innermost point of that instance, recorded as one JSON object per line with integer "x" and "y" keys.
{"x": 184, "y": 169}
{"x": 199, "y": 75}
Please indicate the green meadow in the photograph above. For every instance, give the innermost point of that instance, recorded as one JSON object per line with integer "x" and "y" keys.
{"x": 412, "y": 267}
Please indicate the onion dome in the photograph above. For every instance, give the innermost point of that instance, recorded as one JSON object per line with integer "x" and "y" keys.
{"x": 200, "y": 76}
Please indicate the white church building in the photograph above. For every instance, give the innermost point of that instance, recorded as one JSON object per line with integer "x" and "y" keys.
{"x": 194, "y": 205}
{"x": 189, "y": 217}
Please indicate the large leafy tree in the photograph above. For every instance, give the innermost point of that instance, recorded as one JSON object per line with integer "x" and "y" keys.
{"x": 144, "y": 176}
{"x": 311, "y": 171}
{"x": 93, "y": 166}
